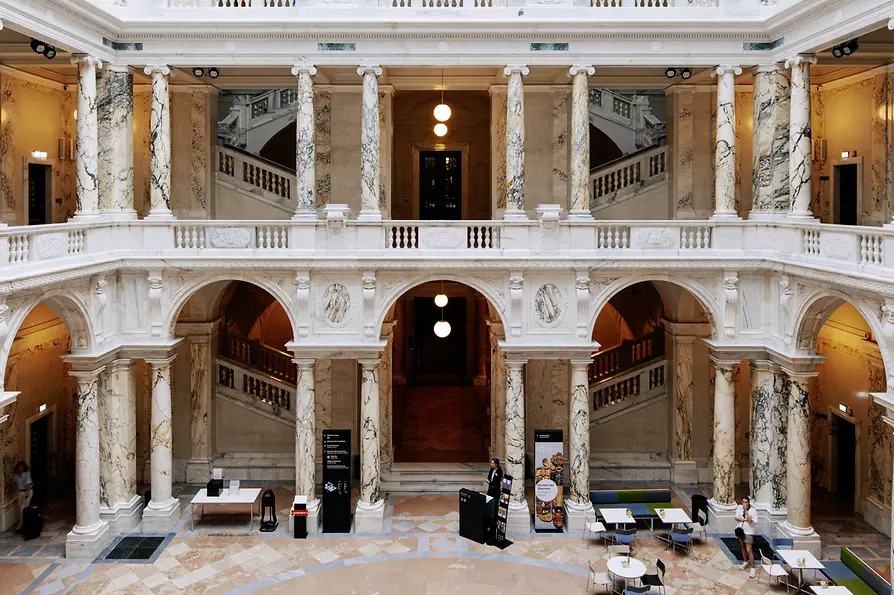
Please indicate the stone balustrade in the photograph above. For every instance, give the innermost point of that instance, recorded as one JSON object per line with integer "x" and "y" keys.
{"x": 245, "y": 5}
{"x": 622, "y": 178}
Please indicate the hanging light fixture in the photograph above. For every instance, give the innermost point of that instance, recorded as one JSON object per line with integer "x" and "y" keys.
{"x": 441, "y": 298}
{"x": 440, "y": 129}
{"x": 442, "y": 110}
{"x": 442, "y": 329}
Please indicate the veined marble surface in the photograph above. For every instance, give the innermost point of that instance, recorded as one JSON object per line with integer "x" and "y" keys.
{"x": 560, "y": 142}
{"x": 498, "y": 112}
{"x": 115, "y": 122}
{"x": 683, "y": 402}
{"x": 770, "y": 155}
{"x": 769, "y": 417}
{"x": 724, "y": 434}
{"x": 579, "y": 441}
{"x": 580, "y": 141}
{"x": 305, "y": 153}
{"x": 200, "y": 400}
{"x": 798, "y": 456}
{"x": 305, "y": 432}
{"x": 497, "y": 399}
{"x": 725, "y": 142}
{"x": 369, "y": 141}
{"x": 684, "y": 150}
{"x": 160, "y": 434}
{"x": 117, "y": 438}
{"x": 86, "y": 180}
{"x": 87, "y": 473}
{"x": 323, "y": 136}
{"x": 515, "y": 429}
{"x": 160, "y": 145}
{"x": 369, "y": 432}
{"x": 515, "y": 140}
{"x": 800, "y": 136}
{"x": 386, "y": 445}
{"x": 198, "y": 120}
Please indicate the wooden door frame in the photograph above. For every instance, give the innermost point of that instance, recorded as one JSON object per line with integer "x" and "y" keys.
{"x": 50, "y": 190}
{"x": 832, "y": 456}
{"x": 417, "y": 148}
{"x": 836, "y": 188}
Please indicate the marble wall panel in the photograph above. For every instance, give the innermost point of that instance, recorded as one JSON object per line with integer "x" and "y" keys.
{"x": 683, "y": 151}
{"x": 498, "y": 147}
{"x": 561, "y": 99}
{"x": 547, "y": 390}
{"x": 323, "y": 122}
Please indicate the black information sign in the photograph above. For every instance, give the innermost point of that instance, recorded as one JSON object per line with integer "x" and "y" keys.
{"x": 503, "y": 508}
{"x": 472, "y": 512}
{"x": 336, "y": 481}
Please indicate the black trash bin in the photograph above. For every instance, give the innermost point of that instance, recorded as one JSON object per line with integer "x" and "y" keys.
{"x": 299, "y": 519}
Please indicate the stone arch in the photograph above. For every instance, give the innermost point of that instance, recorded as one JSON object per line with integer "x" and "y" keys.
{"x": 702, "y": 296}
{"x": 404, "y": 286}
{"x": 70, "y": 307}
{"x": 192, "y": 287}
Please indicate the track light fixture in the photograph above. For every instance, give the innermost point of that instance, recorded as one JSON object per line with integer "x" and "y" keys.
{"x": 42, "y": 47}
{"x": 670, "y": 72}
{"x": 845, "y": 49}
{"x": 198, "y": 72}
{"x": 213, "y": 72}
{"x": 686, "y": 73}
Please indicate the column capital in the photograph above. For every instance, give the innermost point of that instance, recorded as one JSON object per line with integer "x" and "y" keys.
{"x": 196, "y": 332}
{"x": 581, "y": 69}
{"x": 578, "y": 362}
{"x": 723, "y": 364}
{"x": 161, "y": 362}
{"x": 886, "y": 401}
{"x": 767, "y": 68}
{"x": 86, "y": 59}
{"x": 515, "y": 362}
{"x": 304, "y": 364}
{"x": 680, "y": 89}
{"x": 158, "y": 68}
{"x": 765, "y": 365}
{"x": 726, "y": 69}
{"x": 300, "y": 67}
{"x": 369, "y": 363}
{"x": 120, "y": 364}
{"x": 87, "y": 375}
{"x": 373, "y": 69}
{"x": 800, "y": 59}
{"x": 516, "y": 68}
{"x": 117, "y": 67}
{"x": 497, "y": 90}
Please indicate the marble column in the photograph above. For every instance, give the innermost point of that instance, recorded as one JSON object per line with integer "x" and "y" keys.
{"x": 797, "y": 523}
{"x": 370, "y": 182}
{"x": 515, "y": 143}
{"x": 800, "y": 138}
{"x": 160, "y": 145}
{"x": 305, "y": 153}
{"x": 120, "y": 505}
{"x": 115, "y": 161}
{"x": 725, "y": 143}
{"x": 163, "y": 510}
{"x": 770, "y": 152}
{"x": 370, "y": 513}
{"x": 580, "y": 143}
{"x": 91, "y": 534}
{"x": 201, "y": 401}
{"x": 497, "y": 392}
{"x": 681, "y": 148}
{"x": 685, "y": 467}
{"x": 386, "y": 446}
{"x": 579, "y": 505}
{"x": 519, "y": 520}
{"x": 723, "y": 501}
{"x": 87, "y": 147}
{"x": 497, "y": 150}
{"x": 305, "y": 440}
{"x": 768, "y": 449}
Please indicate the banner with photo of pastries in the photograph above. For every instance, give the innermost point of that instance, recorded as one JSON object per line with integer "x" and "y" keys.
{"x": 549, "y": 458}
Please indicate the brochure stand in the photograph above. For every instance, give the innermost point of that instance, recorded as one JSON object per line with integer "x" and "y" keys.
{"x": 503, "y": 513}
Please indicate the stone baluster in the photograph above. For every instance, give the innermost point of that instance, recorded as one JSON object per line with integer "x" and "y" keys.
{"x": 90, "y": 535}
{"x": 519, "y": 518}
{"x": 370, "y": 506}
{"x": 515, "y": 143}
{"x": 115, "y": 163}
{"x": 725, "y": 144}
{"x": 305, "y": 439}
{"x": 160, "y": 144}
{"x": 723, "y": 501}
{"x": 580, "y": 144}
{"x": 370, "y": 183}
{"x": 162, "y": 512}
{"x": 799, "y": 140}
{"x": 579, "y": 505}
{"x": 305, "y": 153}
{"x": 87, "y": 147}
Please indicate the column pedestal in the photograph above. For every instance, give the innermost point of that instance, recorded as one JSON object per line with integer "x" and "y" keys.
{"x": 162, "y": 519}
{"x": 685, "y": 472}
{"x": 805, "y": 539}
{"x": 723, "y": 516}
{"x": 313, "y": 518}
{"x": 519, "y": 520}
{"x": 123, "y": 517}
{"x": 89, "y": 542}
{"x": 576, "y": 515}
{"x": 198, "y": 471}
{"x": 370, "y": 518}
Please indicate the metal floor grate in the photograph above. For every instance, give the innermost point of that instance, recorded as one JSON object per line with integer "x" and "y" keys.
{"x": 135, "y": 548}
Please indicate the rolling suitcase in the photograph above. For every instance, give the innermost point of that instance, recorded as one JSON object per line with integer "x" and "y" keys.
{"x": 32, "y": 522}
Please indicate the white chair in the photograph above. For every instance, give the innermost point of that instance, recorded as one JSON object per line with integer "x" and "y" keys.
{"x": 599, "y": 578}
{"x": 618, "y": 550}
{"x": 701, "y": 527}
{"x": 774, "y": 570}
{"x": 594, "y": 528}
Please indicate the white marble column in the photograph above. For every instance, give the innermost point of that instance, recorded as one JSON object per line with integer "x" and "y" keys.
{"x": 770, "y": 152}
{"x": 160, "y": 144}
{"x": 685, "y": 467}
{"x": 305, "y": 439}
{"x": 769, "y": 421}
{"x": 87, "y": 146}
{"x": 201, "y": 400}
{"x": 370, "y": 513}
{"x": 163, "y": 510}
{"x": 120, "y": 505}
{"x": 90, "y": 535}
{"x": 115, "y": 162}
{"x": 515, "y": 143}
{"x": 725, "y": 143}
{"x": 580, "y": 144}
{"x": 370, "y": 182}
{"x": 386, "y": 447}
{"x": 497, "y": 392}
{"x": 519, "y": 520}
{"x": 579, "y": 505}
{"x": 723, "y": 501}
{"x": 800, "y": 138}
{"x": 306, "y": 152}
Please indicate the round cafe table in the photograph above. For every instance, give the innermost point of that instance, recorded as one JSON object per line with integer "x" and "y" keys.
{"x": 632, "y": 571}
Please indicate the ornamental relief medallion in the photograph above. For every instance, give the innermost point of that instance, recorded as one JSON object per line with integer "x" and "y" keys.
{"x": 548, "y": 305}
{"x": 336, "y": 305}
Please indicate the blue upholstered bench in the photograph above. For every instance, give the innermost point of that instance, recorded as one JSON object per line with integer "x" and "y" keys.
{"x": 641, "y": 503}
{"x": 856, "y": 575}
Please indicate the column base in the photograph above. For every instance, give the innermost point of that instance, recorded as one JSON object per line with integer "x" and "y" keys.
{"x": 85, "y": 216}
{"x": 576, "y": 515}
{"x": 123, "y": 517}
{"x": 582, "y": 215}
{"x": 685, "y": 472}
{"x": 87, "y": 543}
{"x": 805, "y": 539}
{"x": 198, "y": 471}
{"x": 119, "y": 215}
{"x": 519, "y": 520}
{"x": 161, "y": 518}
{"x": 159, "y": 215}
{"x": 802, "y": 216}
{"x": 722, "y": 518}
{"x": 725, "y": 216}
{"x": 305, "y": 216}
{"x": 369, "y": 216}
{"x": 369, "y": 518}
{"x": 313, "y": 518}
{"x": 769, "y": 520}
{"x": 515, "y": 216}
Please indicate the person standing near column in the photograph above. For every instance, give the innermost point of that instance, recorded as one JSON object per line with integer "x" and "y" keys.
{"x": 746, "y": 520}
{"x": 23, "y": 490}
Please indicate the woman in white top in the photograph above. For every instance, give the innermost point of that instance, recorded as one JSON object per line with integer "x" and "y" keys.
{"x": 23, "y": 485}
{"x": 745, "y": 520}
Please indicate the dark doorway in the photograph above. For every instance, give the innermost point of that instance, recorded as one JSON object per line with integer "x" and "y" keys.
{"x": 440, "y": 361}
{"x": 846, "y": 450}
{"x": 38, "y": 193}
{"x": 40, "y": 458}
{"x": 440, "y": 185}
{"x": 846, "y": 194}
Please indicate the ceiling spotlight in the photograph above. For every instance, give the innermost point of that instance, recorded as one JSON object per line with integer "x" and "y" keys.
{"x": 670, "y": 72}
{"x": 39, "y": 47}
{"x": 50, "y": 52}
{"x": 440, "y": 129}
{"x": 686, "y": 73}
{"x": 850, "y": 47}
{"x": 838, "y": 51}
{"x": 213, "y": 72}
{"x": 198, "y": 72}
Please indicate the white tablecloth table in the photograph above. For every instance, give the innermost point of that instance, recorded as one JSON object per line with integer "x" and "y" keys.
{"x": 243, "y": 496}
{"x": 673, "y": 516}
{"x": 632, "y": 571}
{"x": 830, "y": 590}
{"x": 616, "y": 516}
{"x": 800, "y": 560}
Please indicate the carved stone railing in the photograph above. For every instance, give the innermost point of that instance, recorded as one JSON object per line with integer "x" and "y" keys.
{"x": 622, "y": 178}
{"x": 231, "y": 375}
{"x": 643, "y": 382}
{"x": 627, "y": 355}
{"x": 38, "y": 243}
{"x": 256, "y": 355}
{"x": 256, "y": 175}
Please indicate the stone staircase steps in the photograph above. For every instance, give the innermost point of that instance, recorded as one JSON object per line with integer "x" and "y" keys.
{"x": 434, "y": 477}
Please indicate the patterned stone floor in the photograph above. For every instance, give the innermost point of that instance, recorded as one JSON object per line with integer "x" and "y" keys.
{"x": 419, "y": 553}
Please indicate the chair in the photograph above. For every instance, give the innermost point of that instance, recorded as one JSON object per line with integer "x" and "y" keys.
{"x": 702, "y": 525}
{"x": 599, "y": 578}
{"x": 654, "y": 580}
{"x": 618, "y": 550}
{"x": 593, "y": 527}
{"x": 773, "y": 570}
{"x": 681, "y": 537}
{"x": 640, "y": 589}
{"x": 625, "y": 536}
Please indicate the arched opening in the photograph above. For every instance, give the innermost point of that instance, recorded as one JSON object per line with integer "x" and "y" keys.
{"x": 280, "y": 149}
{"x": 602, "y": 148}
{"x": 441, "y": 385}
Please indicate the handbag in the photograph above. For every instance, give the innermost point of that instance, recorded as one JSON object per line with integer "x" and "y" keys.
{"x": 740, "y": 533}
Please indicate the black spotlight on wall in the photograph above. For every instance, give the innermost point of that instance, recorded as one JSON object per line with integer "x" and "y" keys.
{"x": 198, "y": 72}
{"x": 686, "y": 73}
{"x": 850, "y": 47}
{"x": 213, "y": 72}
{"x": 38, "y": 46}
{"x": 670, "y": 72}
{"x": 838, "y": 51}
{"x": 50, "y": 52}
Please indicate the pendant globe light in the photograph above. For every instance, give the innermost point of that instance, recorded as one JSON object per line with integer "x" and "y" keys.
{"x": 442, "y": 110}
{"x": 442, "y": 329}
{"x": 441, "y": 298}
{"x": 440, "y": 129}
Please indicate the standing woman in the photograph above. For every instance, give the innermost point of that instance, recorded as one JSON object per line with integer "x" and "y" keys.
{"x": 746, "y": 521}
{"x": 494, "y": 478}
{"x": 23, "y": 486}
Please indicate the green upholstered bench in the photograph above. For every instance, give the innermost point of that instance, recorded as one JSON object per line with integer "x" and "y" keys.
{"x": 856, "y": 575}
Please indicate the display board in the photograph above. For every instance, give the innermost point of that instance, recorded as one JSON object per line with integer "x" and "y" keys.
{"x": 503, "y": 508}
{"x": 472, "y": 514}
{"x": 336, "y": 481}
{"x": 548, "y": 479}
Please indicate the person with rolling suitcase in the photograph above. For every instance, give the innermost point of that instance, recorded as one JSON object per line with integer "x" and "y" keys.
{"x": 30, "y": 519}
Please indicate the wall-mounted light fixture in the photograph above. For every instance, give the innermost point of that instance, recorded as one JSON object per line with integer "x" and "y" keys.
{"x": 42, "y": 408}
{"x": 845, "y": 409}
{"x": 42, "y": 155}
{"x": 848, "y": 154}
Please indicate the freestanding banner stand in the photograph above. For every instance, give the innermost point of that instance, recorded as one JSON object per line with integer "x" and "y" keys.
{"x": 472, "y": 513}
{"x": 503, "y": 513}
{"x": 549, "y": 505}
{"x": 336, "y": 481}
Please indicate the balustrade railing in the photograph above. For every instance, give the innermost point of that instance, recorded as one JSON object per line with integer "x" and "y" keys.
{"x": 230, "y": 375}
{"x": 255, "y": 175}
{"x": 645, "y": 381}
{"x": 442, "y": 235}
{"x": 257, "y": 355}
{"x": 44, "y": 242}
{"x": 622, "y": 177}
{"x": 230, "y": 235}
{"x": 627, "y": 355}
